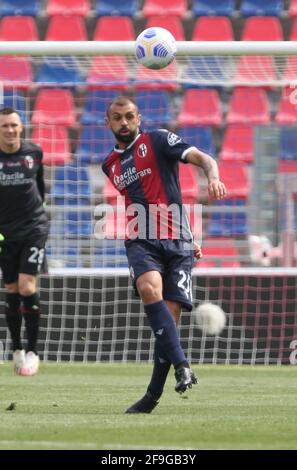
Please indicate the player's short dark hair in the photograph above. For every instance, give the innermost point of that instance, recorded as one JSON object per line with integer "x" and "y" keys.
{"x": 121, "y": 100}
{"x": 8, "y": 110}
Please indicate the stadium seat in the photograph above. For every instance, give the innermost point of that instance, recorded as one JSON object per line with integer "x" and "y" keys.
{"x": 94, "y": 110}
{"x": 165, "y": 79}
{"x": 71, "y": 182}
{"x": 155, "y": 109}
{"x": 16, "y": 72}
{"x": 18, "y": 28}
{"x": 237, "y": 143}
{"x": 260, "y": 8}
{"x": 221, "y": 252}
{"x": 287, "y": 107}
{"x": 66, "y": 28}
{"x": 236, "y": 179}
{"x": 16, "y": 100}
{"x": 259, "y": 70}
{"x": 293, "y": 34}
{"x": 59, "y": 71}
{"x": 116, "y": 7}
{"x": 111, "y": 253}
{"x": 262, "y": 29}
{"x": 213, "y": 29}
{"x": 94, "y": 144}
{"x": 54, "y": 141}
{"x": 68, "y": 7}
{"x": 78, "y": 222}
{"x": 54, "y": 107}
{"x": 108, "y": 73}
{"x": 200, "y": 137}
{"x": 293, "y": 8}
{"x": 115, "y": 28}
{"x": 200, "y": 108}
{"x": 289, "y": 75}
{"x": 188, "y": 177}
{"x": 248, "y": 106}
{"x": 63, "y": 255}
{"x": 164, "y": 7}
{"x": 288, "y": 143}
{"x": 19, "y": 7}
{"x": 173, "y": 24}
{"x": 213, "y": 7}
{"x": 227, "y": 221}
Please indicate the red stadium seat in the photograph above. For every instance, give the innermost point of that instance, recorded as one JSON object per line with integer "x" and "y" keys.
{"x": 66, "y": 28}
{"x": 201, "y": 108}
{"x": 173, "y": 24}
{"x": 237, "y": 143}
{"x": 287, "y": 108}
{"x": 108, "y": 73}
{"x": 216, "y": 28}
{"x": 54, "y": 107}
{"x": 293, "y": 35}
{"x": 259, "y": 70}
{"x": 165, "y": 7}
{"x": 248, "y": 106}
{"x": 18, "y": 28}
{"x": 221, "y": 252}
{"x": 16, "y": 72}
{"x": 68, "y": 7}
{"x": 188, "y": 178}
{"x": 54, "y": 142}
{"x": 293, "y": 8}
{"x": 236, "y": 179}
{"x": 114, "y": 28}
{"x": 262, "y": 29}
{"x": 165, "y": 79}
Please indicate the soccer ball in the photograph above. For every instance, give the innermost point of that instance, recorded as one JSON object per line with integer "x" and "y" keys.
{"x": 155, "y": 48}
{"x": 210, "y": 318}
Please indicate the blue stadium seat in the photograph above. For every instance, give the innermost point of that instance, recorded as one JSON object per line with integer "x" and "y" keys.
{"x": 110, "y": 254}
{"x": 116, "y": 7}
{"x": 64, "y": 255}
{"x": 225, "y": 224}
{"x": 59, "y": 71}
{"x": 94, "y": 111}
{"x": 288, "y": 143}
{"x": 19, "y": 7}
{"x": 78, "y": 223}
{"x": 201, "y": 137}
{"x": 155, "y": 109}
{"x": 95, "y": 143}
{"x": 15, "y": 99}
{"x": 206, "y": 72}
{"x": 71, "y": 182}
{"x": 260, "y": 8}
{"x": 213, "y": 7}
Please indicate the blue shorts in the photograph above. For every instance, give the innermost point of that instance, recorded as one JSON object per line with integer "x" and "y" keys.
{"x": 174, "y": 259}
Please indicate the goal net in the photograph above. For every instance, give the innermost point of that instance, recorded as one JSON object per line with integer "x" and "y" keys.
{"x": 235, "y": 101}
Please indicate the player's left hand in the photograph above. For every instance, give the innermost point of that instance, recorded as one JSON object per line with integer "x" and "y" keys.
{"x": 197, "y": 251}
{"x": 216, "y": 189}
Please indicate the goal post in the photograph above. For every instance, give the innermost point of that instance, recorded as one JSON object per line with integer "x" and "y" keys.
{"x": 90, "y": 313}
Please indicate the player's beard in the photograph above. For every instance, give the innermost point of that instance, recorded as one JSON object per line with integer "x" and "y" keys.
{"x": 126, "y": 138}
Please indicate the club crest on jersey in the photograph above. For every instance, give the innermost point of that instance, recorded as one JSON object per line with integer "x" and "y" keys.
{"x": 142, "y": 150}
{"x": 29, "y": 161}
{"x": 173, "y": 139}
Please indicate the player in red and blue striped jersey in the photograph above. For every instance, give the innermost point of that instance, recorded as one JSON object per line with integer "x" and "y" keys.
{"x": 143, "y": 166}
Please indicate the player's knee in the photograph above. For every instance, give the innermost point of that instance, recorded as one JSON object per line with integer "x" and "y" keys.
{"x": 149, "y": 292}
{"x": 26, "y": 290}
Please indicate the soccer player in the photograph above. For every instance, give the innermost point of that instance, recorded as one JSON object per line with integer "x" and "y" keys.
{"x": 143, "y": 166}
{"x": 23, "y": 233}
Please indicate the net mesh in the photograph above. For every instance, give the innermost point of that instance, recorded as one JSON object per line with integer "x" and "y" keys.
{"x": 242, "y": 110}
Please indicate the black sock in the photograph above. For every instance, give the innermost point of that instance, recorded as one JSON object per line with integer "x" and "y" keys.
{"x": 31, "y": 313}
{"x": 14, "y": 319}
{"x": 160, "y": 372}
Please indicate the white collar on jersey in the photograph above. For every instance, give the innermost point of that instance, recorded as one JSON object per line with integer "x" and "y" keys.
{"x": 129, "y": 146}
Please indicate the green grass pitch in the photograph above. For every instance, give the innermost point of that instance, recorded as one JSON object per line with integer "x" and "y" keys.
{"x": 81, "y": 406}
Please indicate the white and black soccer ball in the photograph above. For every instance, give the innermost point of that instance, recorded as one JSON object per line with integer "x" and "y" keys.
{"x": 210, "y": 318}
{"x": 155, "y": 48}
